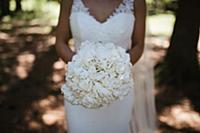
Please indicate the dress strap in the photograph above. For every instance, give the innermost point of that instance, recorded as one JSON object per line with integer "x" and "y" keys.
{"x": 125, "y": 7}
{"x": 78, "y": 6}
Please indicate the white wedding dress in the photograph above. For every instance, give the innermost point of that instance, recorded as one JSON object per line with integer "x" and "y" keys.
{"x": 121, "y": 116}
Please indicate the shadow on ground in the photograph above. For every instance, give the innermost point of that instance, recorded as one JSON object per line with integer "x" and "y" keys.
{"x": 31, "y": 74}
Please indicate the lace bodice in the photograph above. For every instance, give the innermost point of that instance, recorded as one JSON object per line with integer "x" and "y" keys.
{"x": 117, "y": 28}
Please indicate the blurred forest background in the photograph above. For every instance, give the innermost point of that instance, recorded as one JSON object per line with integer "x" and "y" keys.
{"x": 31, "y": 73}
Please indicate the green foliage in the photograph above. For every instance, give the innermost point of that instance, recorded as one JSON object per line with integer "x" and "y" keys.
{"x": 33, "y": 5}
{"x": 161, "y": 6}
{"x": 35, "y": 9}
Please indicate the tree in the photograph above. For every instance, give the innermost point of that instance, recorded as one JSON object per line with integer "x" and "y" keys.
{"x": 181, "y": 61}
{"x": 18, "y": 5}
{"x": 4, "y": 7}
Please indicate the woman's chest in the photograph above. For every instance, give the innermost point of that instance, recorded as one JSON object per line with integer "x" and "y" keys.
{"x": 117, "y": 30}
{"x": 119, "y": 25}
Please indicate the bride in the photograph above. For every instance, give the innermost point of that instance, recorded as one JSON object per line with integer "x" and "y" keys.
{"x": 123, "y": 23}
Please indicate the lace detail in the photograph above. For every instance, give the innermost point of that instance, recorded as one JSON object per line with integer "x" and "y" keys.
{"x": 85, "y": 26}
{"x": 125, "y": 7}
{"x": 78, "y": 6}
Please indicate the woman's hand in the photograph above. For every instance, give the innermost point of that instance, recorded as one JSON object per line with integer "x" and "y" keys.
{"x": 71, "y": 55}
{"x": 129, "y": 51}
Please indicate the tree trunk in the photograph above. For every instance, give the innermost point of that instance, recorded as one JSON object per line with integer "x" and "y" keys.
{"x": 4, "y": 7}
{"x": 18, "y": 5}
{"x": 181, "y": 61}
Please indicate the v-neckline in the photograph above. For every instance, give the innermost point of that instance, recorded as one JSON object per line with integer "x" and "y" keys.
{"x": 107, "y": 18}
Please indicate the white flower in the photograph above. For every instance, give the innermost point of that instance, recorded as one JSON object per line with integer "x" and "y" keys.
{"x": 99, "y": 74}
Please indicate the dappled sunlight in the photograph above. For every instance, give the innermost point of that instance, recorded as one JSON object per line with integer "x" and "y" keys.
{"x": 29, "y": 38}
{"x": 58, "y": 65}
{"x": 159, "y": 42}
{"x": 44, "y": 44}
{"x": 47, "y": 102}
{"x": 51, "y": 40}
{"x": 26, "y": 58}
{"x": 181, "y": 116}
{"x": 40, "y": 22}
{"x": 4, "y": 36}
{"x": 45, "y": 113}
{"x": 6, "y": 26}
{"x": 34, "y": 30}
{"x": 25, "y": 63}
{"x": 58, "y": 74}
{"x": 51, "y": 112}
{"x": 57, "y": 77}
{"x": 54, "y": 116}
{"x": 31, "y": 75}
{"x": 3, "y": 88}
{"x": 161, "y": 24}
{"x": 34, "y": 125}
{"x": 21, "y": 72}
{"x": 158, "y": 46}
{"x": 41, "y": 47}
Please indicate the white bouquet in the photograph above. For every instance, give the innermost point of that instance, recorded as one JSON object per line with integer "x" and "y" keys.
{"x": 98, "y": 74}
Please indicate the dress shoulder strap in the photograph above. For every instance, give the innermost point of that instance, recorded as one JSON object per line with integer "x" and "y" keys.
{"x": 126, "y": 6}
{"x": 78, "y": 6}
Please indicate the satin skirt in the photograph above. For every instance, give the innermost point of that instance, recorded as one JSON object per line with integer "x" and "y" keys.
{"x": 114, "y": 118}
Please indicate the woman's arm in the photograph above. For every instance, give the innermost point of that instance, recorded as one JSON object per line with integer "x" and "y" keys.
{"x": 139, "y": 31}
{"x": 63, "y": 32}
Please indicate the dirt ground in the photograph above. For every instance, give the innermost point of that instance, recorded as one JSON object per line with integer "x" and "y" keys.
{"x": 31, "y": 75}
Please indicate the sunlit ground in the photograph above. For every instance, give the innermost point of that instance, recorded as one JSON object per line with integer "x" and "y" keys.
{"x": 160, "y": 25}
{"x": 31, "y": 75}
{"x": 181, "y": 115}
